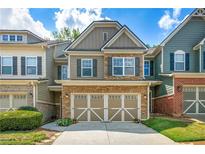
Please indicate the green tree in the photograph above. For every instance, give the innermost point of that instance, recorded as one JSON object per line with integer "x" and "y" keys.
{"x": 66, "y": 34}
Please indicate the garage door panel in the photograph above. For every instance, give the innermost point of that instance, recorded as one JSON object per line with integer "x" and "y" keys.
{"x": 202, "y": 93}
{"x": 114, "y": 115}
{"x": 79, "y": 112}
{"x": 202, "y": 107}
{"x": 19, "y": 100}
{"x": 192, "y": 109}
{"x": 80, "y": 101}
{"x": 130, "y": 101}
{"x": 99, "y": 112}
{"x": 132, "y": 112}
{"x": 4, "y": 102}
{"x": 114, "y": 101}
{"x": 96, "y": 101}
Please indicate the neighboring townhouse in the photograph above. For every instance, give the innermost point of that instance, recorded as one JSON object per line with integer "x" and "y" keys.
{"x": 179, "y": 62}
{"x": 28, "y": 66}
{"x": 106, "y": 76}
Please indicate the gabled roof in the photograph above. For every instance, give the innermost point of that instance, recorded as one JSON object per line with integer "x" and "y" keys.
{"x": 89, "y": 29}
{"x": 197, "y": 12}
{"x": 131, "y": 35}
{"x": 24, "y": 31}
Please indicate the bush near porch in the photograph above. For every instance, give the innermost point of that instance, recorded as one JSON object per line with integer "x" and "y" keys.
{"x": 177, "y": 130}
{"x": 20, "y": 120}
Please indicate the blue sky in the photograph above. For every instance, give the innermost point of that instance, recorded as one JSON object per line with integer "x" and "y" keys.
{"x": 150, "y": 25}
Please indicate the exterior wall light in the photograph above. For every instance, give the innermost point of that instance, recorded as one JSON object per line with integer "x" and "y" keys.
{"x": 66, "y": 95}
{"x": 179, "y": 88}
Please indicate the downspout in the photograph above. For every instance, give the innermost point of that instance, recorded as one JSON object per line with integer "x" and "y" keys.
{"x": 148, "y": 100}
{"x": 162, "y": 60}
{"x": 34, "y": 95}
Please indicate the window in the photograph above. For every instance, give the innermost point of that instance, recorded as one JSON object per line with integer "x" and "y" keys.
{"x": 146, "y": 68}
{"x": 179, "y": 60}
{"x": 31, "y": 65}
{"x": 12, "y": 38}
{"x": 123, "y": 66}
{"x": 105, "y": 36}
{"x": 19, "y": 38}
{"x": 87, "y": 67}
{"x": 7, "y": 64}
{"x": 64, "y": 74}
{"x": 5, "y": 37}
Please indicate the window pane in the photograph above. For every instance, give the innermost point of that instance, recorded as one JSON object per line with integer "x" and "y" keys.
{"x": 118, "y": 70}
{"x": 12, "y": 37}
{"x": 6, "y": 69}
{"x": 129, "y": 71}
{"x": 146, "y": 64}
{"x": 86, "y": 71}
{"x": 6, "y": 61}
{"x": 179, "y": 66}
{"x": 31, "y": 61}
{"x": 19, "y": 38}
{"x": 64, "y": 72}
{"x": 146, "y": 71}
{"x": 129, "y": 62}
{"x": 31, "y": 70}
{"x": 87, "y": 63}
{"x": 5, "y": 37}
{"x": 118, "y": 62}
{"x": 179, "y": 57}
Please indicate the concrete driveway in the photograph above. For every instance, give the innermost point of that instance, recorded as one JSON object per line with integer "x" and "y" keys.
{"x": 95, "y": 133}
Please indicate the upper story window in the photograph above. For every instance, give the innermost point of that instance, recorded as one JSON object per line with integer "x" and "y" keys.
{"x": 7, "y": 64}
{"x": 31, "y": 65}
{"x": 123, "y": 66}
{"x": 105, "y": 36}
{"x": 12, "y": 38}
{"x": 146, "y": 68}
{"x": 87, "y": 67}
{"x": 179, "y": 61}
{"x": 64, "y": 70}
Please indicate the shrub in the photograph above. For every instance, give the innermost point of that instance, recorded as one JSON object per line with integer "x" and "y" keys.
{"x": 28, "y": 108}
{"x": 20, "y": 120}
{"x": 64, "y": 122}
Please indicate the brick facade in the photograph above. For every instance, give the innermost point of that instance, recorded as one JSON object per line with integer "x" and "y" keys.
{"x": 67, "y": 90}
{"x": 107, "y": 77}
{"x": 174, "y": 104}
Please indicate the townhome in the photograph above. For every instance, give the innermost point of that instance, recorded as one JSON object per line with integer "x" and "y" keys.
{"x": 106, "y": 77}
{"x": 180, "y": 65}
{"x": 28, "y": 66}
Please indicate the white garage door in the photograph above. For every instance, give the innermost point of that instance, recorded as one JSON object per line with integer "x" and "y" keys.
{"x": 194, "y": 100}
{"x": 12, "y": 101}
{"x": 105, "y": 107}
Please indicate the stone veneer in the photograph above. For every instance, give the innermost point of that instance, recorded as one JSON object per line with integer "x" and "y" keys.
{"x": 107, "y": 77}
{"x": 67, "y": 90}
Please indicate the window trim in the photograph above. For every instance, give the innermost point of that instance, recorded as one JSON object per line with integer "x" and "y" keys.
{"x": 31, "y": 65}
{"x": 103, "y": 36}
{"x": 7, "y": 65}
{"x": 123, "y": 65}
{"x": 62, "y": 72}
{"x": 91, "y": 67}
{"x": 148, "y": 68}
{"x": 7, "y": 38}
{"x": 179, "y": 52}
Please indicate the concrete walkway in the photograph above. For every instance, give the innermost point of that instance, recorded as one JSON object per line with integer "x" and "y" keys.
{"x": 115, "y": 133}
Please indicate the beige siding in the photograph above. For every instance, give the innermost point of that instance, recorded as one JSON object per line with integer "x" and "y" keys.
{"x": 94, "y": 39}
{"x": 43, "y": 93}
{"x": 24, "y": 51}
{"x": 124, "y": 41}
{"x": 73, "y": 68}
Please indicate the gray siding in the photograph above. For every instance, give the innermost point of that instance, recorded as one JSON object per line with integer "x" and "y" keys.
{"x": 124, "y": 41}
{"x": 100, "y": 67}
{"x": 31, "y": 39}
{"x": 157, "y": 64}
{"x": 190, "y": 35}
{"x": 202, "y": 58}
{"x": 43, "y": 93}
{"x": 94, "y": 39}
{"x": 59, "y": 49}
{"x": 50, "y": 65}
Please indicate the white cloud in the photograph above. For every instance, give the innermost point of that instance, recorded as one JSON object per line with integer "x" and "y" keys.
{"x": 170, "y": 20}
{"x": 21, "y": 19}
{"x": 77, "y": 18}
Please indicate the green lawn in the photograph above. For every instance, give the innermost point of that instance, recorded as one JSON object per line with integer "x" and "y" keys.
{"x": 177, "y": 130}
{"x": 21, "y": 137}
